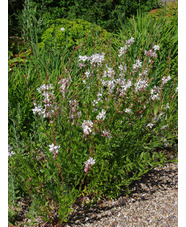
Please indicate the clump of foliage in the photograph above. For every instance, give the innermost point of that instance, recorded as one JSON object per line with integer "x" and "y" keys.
{"x": 103, "y": 13}
{"x": 168, "y": 12}
{"x": 76, "y": 32}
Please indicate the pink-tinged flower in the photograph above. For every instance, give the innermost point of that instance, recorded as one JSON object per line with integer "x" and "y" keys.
{"x": 130, "y": 41}
{"x": 151, "y": 53}
{"x": 89, "y": 162}
{"x": 107, "y": 134}
{"x": 65, "y": 82}
{"x": 81, "y": 65}
{"x": 62, "y": 29}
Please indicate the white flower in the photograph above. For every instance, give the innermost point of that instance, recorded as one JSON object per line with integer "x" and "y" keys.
{"x": 89, "y": 162}
{"x": 165, "y": 79}
{"x": 54, "y": 148}
{"x": 166, "y": 144}
{"x": 137, "y": 65}
{"x": 156, "y": 47}
{"x": 101, "y": 115}
{"x": 154, "y": 97}
{"x": 62, "y": 29}
{"x": 10, "y": 152}
{"x": 97, "y": 58}
{"x": 87, "y": 73}
{"x": 122, "y": 51}
{"x": 127, "y": 110}
{"x": 109, "y": 73}
{"x": 164, "y": 127}
{"x": 94, "y": 102}
{"x": 87, "y": 127}
{"x": 38, "y": 109}
{"x": 130, "y": 41}
{"x": 167, "y": 107}
{"x": 150, "y": 125}
{"x": 141, "y": 84}
{"x": 83, "y": 58}
{"x": 125, "y": 86}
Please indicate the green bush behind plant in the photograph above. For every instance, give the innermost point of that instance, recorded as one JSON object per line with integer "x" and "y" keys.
{"x": 77, "y": 32}
{"x": 169, "y": 12}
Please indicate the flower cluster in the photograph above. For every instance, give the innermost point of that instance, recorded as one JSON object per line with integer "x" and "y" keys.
{"x": 141, "y": 84}
{"x": 96, "y": 101}
{"x": 96, "y": 58}
{"x": 65, "y": 82}
{"x": 87, "y": 127}
{"x": 155, "y": 93}
{"x": 152, "y": 52}
{"x": 137, "y": 65}
{"x": 109, "y": 72}
{"x": 165, "y": 79}
{"x": 125, "y": 48}
{"x": 49, "y": 98}
{"x": 107, "y": 134}
{"x": 74, "y": 112}
{"x": 101, "y": 115}
{"x": 54, "y": 149}
{"x": 10, "y": 151}
{"x": 150, "y": 125}
{"x": 89, "y": 162}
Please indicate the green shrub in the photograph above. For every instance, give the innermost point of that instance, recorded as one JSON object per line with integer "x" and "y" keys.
{"x": 169, "y": 12}
{"x": 76, "y": 32}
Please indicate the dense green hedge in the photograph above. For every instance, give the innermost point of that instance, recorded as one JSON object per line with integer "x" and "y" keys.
{"x": 103, "y": 13}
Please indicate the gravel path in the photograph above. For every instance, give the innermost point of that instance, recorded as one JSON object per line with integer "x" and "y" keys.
{"x": 153, "y": 202}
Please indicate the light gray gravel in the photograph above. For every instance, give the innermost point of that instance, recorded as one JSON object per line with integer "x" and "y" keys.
{"x": 153, "y": 202}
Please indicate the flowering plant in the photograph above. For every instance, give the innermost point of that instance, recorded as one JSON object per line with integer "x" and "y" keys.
{"x": 97, "y": 126}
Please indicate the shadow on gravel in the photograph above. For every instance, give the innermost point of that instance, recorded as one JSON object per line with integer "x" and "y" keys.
{"x": 159, "y": 178}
